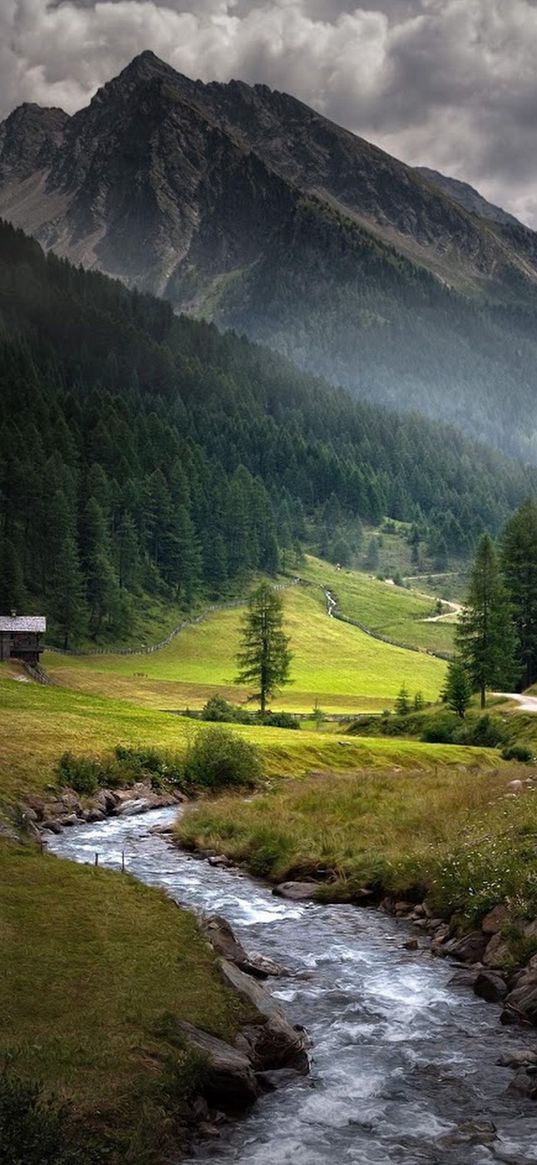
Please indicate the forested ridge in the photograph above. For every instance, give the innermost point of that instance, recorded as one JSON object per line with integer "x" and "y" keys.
{"x": 145, "y": 452}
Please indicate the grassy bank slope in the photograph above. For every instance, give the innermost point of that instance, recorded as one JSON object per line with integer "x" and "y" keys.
{"x": 393, "y": 611}
{"x": 91, "y": 964}
{"x": 40, "y": 723}
{"x": 334, "y": 663}
{"x": 459, "y": 834}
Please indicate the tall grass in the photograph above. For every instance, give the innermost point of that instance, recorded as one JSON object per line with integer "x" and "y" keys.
{"x": 452, "y": 835}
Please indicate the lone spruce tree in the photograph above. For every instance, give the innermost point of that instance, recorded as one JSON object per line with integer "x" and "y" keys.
{"x": 485, "y": 635}
{"x": 264, "y": 658}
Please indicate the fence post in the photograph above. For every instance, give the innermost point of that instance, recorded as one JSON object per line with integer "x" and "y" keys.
{"x": 123, "y": 861}
{"x": 96, "y": 858}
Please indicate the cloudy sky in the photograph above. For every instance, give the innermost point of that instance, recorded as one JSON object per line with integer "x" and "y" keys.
{"x": 446, "y": 83}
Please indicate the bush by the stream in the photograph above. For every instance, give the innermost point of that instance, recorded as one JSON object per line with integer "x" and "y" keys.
{"x": 219, "y": 759}
{"x": 127, "y": 766}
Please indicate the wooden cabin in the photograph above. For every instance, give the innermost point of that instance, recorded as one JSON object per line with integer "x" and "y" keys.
{"x": 21, "y": 637}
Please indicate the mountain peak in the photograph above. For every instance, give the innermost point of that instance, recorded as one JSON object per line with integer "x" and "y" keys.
{"x": 144, "y": 67}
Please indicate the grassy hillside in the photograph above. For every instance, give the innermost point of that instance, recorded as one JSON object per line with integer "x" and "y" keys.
{"x": 396, "y": 612}
{"x": 40, "y": 723}
{"x": 334, "y": 663}
{"x": 84, "y": 1003}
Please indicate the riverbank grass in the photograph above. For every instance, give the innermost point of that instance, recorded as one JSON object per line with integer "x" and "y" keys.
{"x": 92, "y": 965}
{"x": 461, "y": 837}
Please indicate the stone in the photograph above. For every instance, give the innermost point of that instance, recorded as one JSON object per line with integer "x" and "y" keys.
{"x": 163, "y": 829}
{"x": 228, "y": 1078}
{"x": 464, "y": 977}
{"x": 219, "y": 860}
{"x": 495, "y": 919}
{"x": 276, "y": 1043}
{"x": 518, "y": 1059}
{"x": 270, "y": 1081}
{"x": 411, "y": 944}
{"x": 439, "y": 941}
{"x": 27, "y": 813}
{"x": 524, "y": 1083}
{"x": 38, "y": 804}
{"x": 490, "y": 987}
{"x": 497, "y": 953}
{"x": 70, "y": 820}
{"x": 94, "y": 815}
{"x": 404, "y": 907}
{"x": 131, "y": 807}
{"x": 521, "y": 1004}
{"x": 296, "y": 891}
{"x": 222, "y": 938}
{"x": 470, "y": 948}
{"x": 264, "y": 968}
{"x": 515, "y": 786}
{"x": 471, "y": 1133}
{"x": 53, "y": 826}
{"x": 71, "y": 801}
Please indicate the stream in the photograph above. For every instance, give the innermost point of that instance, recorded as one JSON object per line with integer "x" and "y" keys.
{"x": 403, "y": 1062}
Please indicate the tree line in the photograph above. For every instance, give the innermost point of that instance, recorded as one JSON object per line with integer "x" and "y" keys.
{"x": 496, "y": 636}
{"x": 145, "y": 454}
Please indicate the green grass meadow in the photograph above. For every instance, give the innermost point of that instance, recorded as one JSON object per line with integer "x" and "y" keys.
{"x": 335, "y": 664}
{"x": 92, "y": 964}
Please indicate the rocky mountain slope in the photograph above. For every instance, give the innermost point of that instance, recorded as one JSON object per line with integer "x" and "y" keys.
{"x": 245, "y": 206}
{"x": 468, "y": 197}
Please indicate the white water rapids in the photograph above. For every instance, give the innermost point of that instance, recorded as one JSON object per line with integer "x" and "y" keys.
{"x": 404, "y": 1062}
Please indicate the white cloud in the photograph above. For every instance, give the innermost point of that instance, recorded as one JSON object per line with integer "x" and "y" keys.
{"x": 447, "y": 83}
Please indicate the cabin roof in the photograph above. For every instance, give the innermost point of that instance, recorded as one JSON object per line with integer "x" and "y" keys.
{"x": 36, "y": 623}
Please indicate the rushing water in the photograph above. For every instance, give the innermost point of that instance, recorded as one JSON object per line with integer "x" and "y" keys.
{"x": 404, "y": 1063}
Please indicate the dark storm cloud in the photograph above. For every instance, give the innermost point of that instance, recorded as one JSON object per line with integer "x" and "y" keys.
{"x": 447, "y": 83}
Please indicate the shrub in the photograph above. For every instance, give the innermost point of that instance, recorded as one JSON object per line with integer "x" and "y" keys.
{"x": 518, "y": 752}
{"x": 486, "y": 732}
{"x": 445, "y": 729}
{"x": 139, "y": 763}
{"x": 219, "y": 759}
{"x": 219, "y": 710}
{"x": 79, "y": 773}
{"x": 279, "y": 720}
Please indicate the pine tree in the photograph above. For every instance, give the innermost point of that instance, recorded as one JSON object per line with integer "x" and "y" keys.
{"x": 13, "y": 595}
{"x": 372, "y": 557}
{"x": 128, "y": 554}
{"x": 457, "y": 691}
{"x": 485, "y": 636}
{"x": 519, "y": 558}
{"x": 102, "y": 584}
{"x": 402, "y": 703}
{"x": 68, "y": 606}
{"x": 264, "y": 658}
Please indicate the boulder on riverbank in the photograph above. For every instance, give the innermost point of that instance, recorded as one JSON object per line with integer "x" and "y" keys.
{"x": 229, "y": 1080}
{"x": 224, "y": 941}
{"x": 275, "y": 1043}
{"x": 296, "y": 891}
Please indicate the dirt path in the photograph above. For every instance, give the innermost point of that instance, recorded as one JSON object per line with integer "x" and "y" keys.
{"x": 525, "y": 703}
